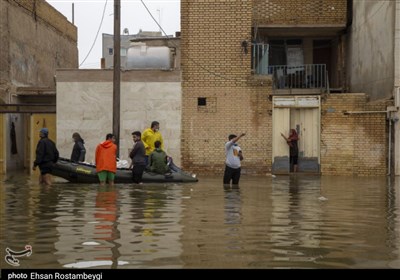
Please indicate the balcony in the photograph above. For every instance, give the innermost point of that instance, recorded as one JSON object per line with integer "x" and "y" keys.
{"x": 307, "y": 78}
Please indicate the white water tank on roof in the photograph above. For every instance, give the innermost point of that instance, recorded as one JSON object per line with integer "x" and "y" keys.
{"x": 141, "y": 56}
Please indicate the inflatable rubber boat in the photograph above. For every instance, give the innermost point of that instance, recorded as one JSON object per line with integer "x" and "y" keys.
{"x": 79, "y": 172}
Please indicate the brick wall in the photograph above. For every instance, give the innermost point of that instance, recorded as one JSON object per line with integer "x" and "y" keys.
{"x": 212, "y": 32}
{"x": 205, "y": 129}
{"x": 289, "y": 12}
{"x": 215, "y": 67}
{"x": 353, "y": 144}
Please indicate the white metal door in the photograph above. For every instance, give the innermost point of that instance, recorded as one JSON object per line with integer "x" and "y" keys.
{"x": 280, "y": 150}
{"x": 305, "y": 121}
{"x": 301, "y": 113}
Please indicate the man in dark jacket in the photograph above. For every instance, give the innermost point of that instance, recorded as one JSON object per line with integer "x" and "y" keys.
{"x": 46, "y": 155}
{"x": 138, "y": 156}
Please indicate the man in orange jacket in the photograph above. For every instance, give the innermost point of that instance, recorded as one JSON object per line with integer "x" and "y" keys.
{"x": 106, "y": 160}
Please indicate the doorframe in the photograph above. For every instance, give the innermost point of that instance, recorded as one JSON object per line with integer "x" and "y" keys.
{"x": 294, "y": 102}
{"x": 3, "y": 156}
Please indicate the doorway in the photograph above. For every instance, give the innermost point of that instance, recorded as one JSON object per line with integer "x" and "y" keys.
{"x": 301, "y": 113}
{"x": 322, "y": 54}
{"x": 2, "y": 145}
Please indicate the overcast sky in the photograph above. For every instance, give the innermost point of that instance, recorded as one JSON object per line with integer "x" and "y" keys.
{"x": 88, "y": 15}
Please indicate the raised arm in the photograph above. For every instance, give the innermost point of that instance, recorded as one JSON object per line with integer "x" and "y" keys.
{"x": 234, "y": 140}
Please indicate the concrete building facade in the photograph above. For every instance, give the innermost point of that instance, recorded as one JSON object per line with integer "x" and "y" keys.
{"x": 374, "y": 61}
{"x": 35, "y": 40}
{"x": 146, "y": 96}
{"x": 263, "y": 67}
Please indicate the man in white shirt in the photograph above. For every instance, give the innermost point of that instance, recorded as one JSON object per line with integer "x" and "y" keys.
{"x": 233, "y": 158}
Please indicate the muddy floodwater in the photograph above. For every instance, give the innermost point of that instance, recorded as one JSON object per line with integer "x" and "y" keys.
{"x": 268, "y": 222}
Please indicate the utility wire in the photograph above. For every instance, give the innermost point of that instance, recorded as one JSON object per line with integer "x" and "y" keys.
{"x": 226, "y": 78}
{"x": 98, "y": 31}
{"x": 199, "y": 65}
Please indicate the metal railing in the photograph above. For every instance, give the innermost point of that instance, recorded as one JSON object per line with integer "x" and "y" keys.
{"x": 285, "y": 76}
{"x": 301, "y": 76}
{"x": 259, "y": 58}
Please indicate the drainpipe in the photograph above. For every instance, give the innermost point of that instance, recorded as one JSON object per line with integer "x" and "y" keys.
{"x": 349, "y": 15}
{"x": 390, "y": 146}
{"x": 397, "y": 86}
{"x": 391, "y": 120}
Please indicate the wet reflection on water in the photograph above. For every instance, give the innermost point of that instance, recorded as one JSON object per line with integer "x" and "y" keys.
{"x": 281, "y": 222}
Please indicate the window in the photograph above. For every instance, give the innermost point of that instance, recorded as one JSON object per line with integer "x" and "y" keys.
{"x": 202, "y": 101}
{"x": 286, "y": 52}
{"x": 207, "y": 104}
{"x": 110, "y": 51}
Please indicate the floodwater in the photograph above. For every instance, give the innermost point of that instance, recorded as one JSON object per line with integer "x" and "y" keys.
{"x": 268, "y": 222}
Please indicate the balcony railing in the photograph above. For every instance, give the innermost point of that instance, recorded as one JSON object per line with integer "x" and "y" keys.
{"x": 301, "y": 76}
{"x": 285, "y": 76}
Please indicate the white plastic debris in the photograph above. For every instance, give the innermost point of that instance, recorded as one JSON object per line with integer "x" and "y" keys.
{"x": 122, "y": 163}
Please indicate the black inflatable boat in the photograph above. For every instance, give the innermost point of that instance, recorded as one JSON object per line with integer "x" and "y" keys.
{"x": 86, "y": 173}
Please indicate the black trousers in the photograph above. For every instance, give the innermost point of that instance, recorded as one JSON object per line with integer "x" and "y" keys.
{"x": 46, "y": 167}
{"x": 137, "y": 173}
{"x": 231, "y": 174}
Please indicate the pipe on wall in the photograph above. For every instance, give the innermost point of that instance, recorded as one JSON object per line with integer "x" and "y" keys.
{"x": 389, "y": 119}
{"x": 363, "y": 112}
{"x": 390, "y": 147}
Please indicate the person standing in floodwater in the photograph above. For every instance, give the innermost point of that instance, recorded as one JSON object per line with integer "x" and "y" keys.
{"x": 78, "y": 151}
{"x": 294, "y": 149}
{"x": 106, "y": 160}
{"x": 46, "y": 156}
{"x": 233, "y": 158}
{"x": 137, "y": 156}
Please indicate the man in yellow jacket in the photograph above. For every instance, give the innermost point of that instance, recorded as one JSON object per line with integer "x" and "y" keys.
{"x": 149, "y": 137}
